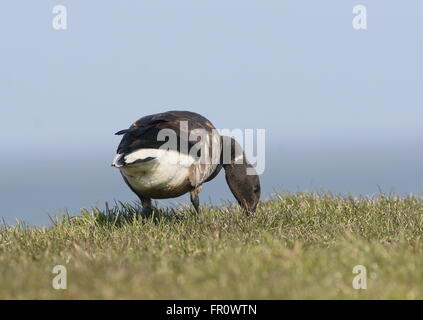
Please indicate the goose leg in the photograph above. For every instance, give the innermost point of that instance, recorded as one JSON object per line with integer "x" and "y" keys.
{"x": 195, "y": 199}
{"x": 147, "y": 210}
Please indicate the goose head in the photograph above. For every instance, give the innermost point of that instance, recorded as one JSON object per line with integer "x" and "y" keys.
{"x": 240, "y": 175}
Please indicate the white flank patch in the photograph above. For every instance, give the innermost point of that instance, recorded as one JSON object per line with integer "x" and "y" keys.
{"x": 169, "y": 170}
{"x": 164, "y": 156}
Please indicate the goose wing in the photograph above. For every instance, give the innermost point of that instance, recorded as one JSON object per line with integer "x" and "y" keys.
{"x": 145, "y": 133}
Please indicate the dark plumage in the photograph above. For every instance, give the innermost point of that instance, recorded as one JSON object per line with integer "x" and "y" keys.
{"x": 154, "y": 168}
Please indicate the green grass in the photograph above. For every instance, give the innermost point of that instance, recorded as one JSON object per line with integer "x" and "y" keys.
{"x": 301, "y": 246}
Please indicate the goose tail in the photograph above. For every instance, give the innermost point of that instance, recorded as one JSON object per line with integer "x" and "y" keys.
{"x": 118, "y": 161}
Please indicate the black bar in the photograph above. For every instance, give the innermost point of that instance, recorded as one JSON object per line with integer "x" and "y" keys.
{"x": 212, "y": 309}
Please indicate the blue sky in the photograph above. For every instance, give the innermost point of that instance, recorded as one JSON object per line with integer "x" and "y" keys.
{"x": 342, "y": 108}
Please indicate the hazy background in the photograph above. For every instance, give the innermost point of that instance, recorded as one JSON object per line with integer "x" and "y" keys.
{"x": 342, "y": 108}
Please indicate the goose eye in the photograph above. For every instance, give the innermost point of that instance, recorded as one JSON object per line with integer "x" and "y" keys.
{"x": 256, "y": 189}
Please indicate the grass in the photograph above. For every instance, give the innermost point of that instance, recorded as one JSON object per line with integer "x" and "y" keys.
{"x": 296, "y": 246}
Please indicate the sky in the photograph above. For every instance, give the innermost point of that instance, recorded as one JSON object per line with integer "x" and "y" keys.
{"x": 342, "y": 108}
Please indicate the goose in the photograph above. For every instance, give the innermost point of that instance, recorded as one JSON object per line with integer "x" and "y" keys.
{"x": 166, "y": 155}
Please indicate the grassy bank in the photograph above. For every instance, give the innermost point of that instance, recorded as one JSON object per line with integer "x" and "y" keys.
{"x": 295, "y": 246}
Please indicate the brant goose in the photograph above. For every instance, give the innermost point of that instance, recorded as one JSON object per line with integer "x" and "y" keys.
{"x": 168, "y": 154}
